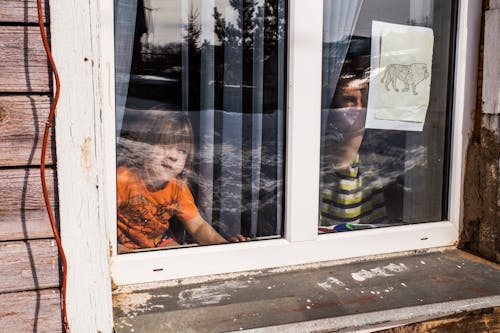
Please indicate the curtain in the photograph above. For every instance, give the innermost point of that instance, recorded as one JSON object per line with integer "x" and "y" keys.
{"x": 419, "y": 184}
{"x": 421, "y": 12}
{"x": 339, "y": 21}
{"x": 125, "y": 26}
{"x": 207, "y": 114}
{"x": 240, "y": 127}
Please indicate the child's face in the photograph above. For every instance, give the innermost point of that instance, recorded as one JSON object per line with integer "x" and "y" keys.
{"x": 353, "y": 94}
{"x": 166, "y": 162}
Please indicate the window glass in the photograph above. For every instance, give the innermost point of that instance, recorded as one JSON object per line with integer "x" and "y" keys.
{"x": 385, "y": 112}
{"x": 200, "y": 109}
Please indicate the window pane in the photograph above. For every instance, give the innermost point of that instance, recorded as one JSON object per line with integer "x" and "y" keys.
{"x": 385, "y": 112}
{"x": 200, "y": 119}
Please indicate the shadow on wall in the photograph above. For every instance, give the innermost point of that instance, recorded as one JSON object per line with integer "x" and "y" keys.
{"x": 29, "y": 171}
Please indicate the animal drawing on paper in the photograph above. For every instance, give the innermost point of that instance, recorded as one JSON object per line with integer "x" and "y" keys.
{"x": 410, "y": 75}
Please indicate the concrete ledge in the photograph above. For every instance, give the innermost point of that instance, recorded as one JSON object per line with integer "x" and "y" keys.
{"x": 358, "y": 296}
{"x": 379, "y": 320}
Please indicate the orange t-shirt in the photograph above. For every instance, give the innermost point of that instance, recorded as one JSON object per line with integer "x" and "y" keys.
{"x": 143, "y": 215}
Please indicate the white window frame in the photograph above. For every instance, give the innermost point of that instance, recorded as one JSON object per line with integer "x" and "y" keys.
{"x": 82, "y": 41}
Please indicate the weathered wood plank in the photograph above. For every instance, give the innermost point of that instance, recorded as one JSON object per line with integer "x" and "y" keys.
{"x": 494, "y": 4}
{"x": 489, "y": 245}
{"x": 20, "y": 11}
{"x": 28, "y": 265}
{"x": 491, "y": 84}
{"x": 78, "y": 32}
{"x": 22, "y": 123}
{"x": 31, "y": 311}
{"x": 24, "y": 65}
{"x": 22, "y": 209}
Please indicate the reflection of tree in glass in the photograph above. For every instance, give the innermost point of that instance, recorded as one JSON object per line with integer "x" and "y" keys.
{"x": 193, "y": 30}
{"x": 192, "y": 44}
{"x": 252, "y": 17}
{"x": 244, "y": 47}
{"x": 251, "y": 41}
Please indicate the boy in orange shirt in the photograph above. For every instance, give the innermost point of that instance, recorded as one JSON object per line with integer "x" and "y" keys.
{"x": 152, "y": 187}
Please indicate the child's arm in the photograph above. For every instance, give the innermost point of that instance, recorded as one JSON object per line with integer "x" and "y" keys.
{"x": 204, "y": 233}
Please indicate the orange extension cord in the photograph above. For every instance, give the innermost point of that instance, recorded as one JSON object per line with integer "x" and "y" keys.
{"x": 50, "y": 123}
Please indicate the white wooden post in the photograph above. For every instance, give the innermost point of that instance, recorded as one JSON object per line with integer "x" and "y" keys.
{"x": 75, "y": 36}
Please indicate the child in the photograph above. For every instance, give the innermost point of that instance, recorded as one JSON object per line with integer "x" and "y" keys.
{"x": 351, "y": 198}
{"x": 152, "y": 184}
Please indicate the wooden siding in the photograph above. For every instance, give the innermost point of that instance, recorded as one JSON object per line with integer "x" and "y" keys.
{"x": 19, "y": 11}
{"x": 22, "y": 123}
{"x": 22, "y": 211}
{"x": 24, "y": 66}
{"x": 29, "y": 262}
{"x": 29, "y": 265}
{"x": 491, "y": 84}
{"x": 32, "y": 311}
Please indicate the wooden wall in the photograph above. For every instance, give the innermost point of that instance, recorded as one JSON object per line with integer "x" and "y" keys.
{"x": 29, "y": 264}
{"x": 481, "y": 227}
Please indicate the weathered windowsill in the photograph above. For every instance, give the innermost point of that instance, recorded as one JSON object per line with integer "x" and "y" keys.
{"x": 361, "y": 296}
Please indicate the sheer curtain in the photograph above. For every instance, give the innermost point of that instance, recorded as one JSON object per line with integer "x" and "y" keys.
{"x": 421, "y": 12}
{"x": 125, "y": 25}
{"x": 419, "y": 183}
{"x": 339, "y": 21}
{"x": 240, "y": 169}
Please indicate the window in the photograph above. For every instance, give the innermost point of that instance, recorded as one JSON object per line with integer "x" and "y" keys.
{"x": 257, "y": 93}
{"x": 82, "y": 38}
{"x": 385, "y": 113}
{"x": 200, "y": 110}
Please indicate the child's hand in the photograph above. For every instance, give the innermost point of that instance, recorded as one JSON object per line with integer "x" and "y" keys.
{"x": 239, "y": 238}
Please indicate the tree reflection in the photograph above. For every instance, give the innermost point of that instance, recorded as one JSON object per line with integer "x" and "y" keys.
{"x": 242, "y": 43}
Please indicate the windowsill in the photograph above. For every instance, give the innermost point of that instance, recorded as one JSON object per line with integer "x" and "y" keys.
{"x": 357, "y": 295}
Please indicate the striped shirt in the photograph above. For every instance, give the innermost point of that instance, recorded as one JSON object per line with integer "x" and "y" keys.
{"x": 348, "y": 196}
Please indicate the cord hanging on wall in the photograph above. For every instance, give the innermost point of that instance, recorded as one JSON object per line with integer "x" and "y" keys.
{"x": 48, "y": 125}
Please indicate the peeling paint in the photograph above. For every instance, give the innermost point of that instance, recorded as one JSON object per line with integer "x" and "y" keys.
{"x": 209, "y": 294}
{"x": 85, "y": 149}
{"x": 330, "y": 282}
{"x": 132, "y": 288}
{"x": 385, "y": 271}
{"x": 133, "y": 303}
